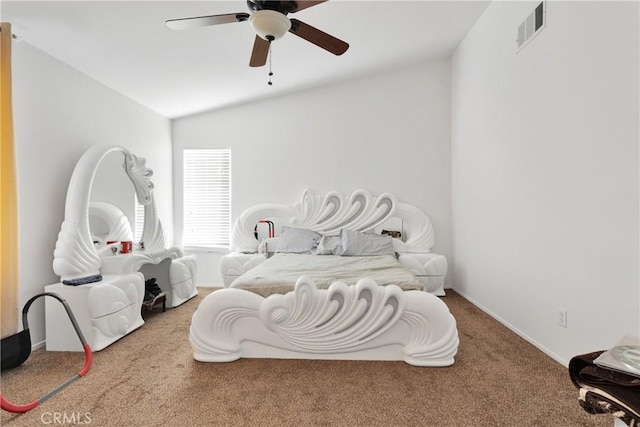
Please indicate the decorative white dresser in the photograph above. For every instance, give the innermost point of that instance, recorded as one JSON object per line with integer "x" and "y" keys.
{"x": 103, "y": 284}
{"x": 105, "y": 311}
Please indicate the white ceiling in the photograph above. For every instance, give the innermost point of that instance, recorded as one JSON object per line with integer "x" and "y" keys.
{"x": 127, "y": 46}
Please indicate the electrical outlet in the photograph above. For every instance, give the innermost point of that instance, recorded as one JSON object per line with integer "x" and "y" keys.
{"x": 562, "y": 317}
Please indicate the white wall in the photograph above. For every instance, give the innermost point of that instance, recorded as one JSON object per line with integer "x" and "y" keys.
{"x": 545, "y": 173}
{"x": 58, "y": 114}
{"x": 384, "y": 133}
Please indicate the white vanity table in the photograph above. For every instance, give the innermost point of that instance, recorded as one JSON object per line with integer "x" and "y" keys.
{"x": 176, "y": 271}
{"x": 110, "y": 308}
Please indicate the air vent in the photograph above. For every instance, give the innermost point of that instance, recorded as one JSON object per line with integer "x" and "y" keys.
{"x": 534, "y": 24}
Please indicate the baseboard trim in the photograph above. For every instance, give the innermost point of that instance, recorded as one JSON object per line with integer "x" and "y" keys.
{"x": 513, "y": 329}
{"x": 38, "y": 345}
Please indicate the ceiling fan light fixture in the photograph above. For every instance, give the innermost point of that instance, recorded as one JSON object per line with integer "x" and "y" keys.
{"x": 269, "y": 24}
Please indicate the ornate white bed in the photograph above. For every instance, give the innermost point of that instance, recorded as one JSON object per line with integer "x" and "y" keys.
{"x": 362, "y": 321}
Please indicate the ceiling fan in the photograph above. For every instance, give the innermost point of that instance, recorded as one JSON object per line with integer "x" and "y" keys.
{"x": 270, "y": 22}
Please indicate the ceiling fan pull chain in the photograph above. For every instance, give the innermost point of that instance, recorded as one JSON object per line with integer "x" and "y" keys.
{"x": 270, "y": 72}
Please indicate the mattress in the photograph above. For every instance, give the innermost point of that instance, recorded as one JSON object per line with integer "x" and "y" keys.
{"x": 279, "y": 274}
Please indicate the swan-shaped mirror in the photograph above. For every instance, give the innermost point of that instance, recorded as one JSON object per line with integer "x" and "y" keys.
{"x": 79, "y": 253}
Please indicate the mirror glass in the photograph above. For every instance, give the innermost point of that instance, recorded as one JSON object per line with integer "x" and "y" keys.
{"x": 111, "y": 185}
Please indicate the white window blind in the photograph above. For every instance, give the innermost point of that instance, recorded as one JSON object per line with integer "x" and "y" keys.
{"x": 139, "y": 225}
{"x": 207, "y": 197}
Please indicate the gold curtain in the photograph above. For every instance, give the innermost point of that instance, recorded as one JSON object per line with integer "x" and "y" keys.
{"x": 8, "y": 194}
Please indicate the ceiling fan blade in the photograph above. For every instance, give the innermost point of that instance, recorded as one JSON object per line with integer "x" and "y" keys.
{"x": 259, "y": 53}
{"x": 317, "y": 37}
{"x": 282, "y": 6}
{"x": 203, "y": 21}
{"x": 303, "y": 4}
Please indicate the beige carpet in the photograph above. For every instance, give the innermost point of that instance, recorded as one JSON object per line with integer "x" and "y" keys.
{"x": 149, "y": 378}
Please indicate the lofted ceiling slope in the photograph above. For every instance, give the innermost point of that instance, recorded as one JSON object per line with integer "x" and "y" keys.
{"x": 127, "y": 46}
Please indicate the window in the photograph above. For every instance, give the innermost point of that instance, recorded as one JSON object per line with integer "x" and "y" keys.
{"x": 207, "y": 197}
{"x": 139, "y": 220}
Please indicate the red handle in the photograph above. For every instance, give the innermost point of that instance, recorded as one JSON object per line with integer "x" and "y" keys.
{"x": 88, "y": 360}
{"x": 8, "y": 406}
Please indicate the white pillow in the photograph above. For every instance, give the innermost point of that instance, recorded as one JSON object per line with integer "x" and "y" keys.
{"x": 298, "y": 240}
{"x": 355, "y": 243}
{"x": 327, "y": 245}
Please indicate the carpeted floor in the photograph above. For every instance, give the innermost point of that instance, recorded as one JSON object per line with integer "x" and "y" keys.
{"x": 149, "y": 378}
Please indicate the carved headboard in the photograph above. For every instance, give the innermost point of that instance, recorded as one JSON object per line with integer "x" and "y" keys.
{"x": 328, "y": 214}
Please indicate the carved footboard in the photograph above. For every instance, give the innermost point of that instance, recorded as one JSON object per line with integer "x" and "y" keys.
{"x": 361, "y": 322}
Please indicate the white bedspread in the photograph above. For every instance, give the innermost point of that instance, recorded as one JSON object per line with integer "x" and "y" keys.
{"x": 278, "y": 274}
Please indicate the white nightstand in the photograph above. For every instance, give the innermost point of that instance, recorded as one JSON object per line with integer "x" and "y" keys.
{"x": 105, "y": 311}
{"x": 430, "y": 268}
{"x": 234, "y": 264}
{"x": 433, "y": 283}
